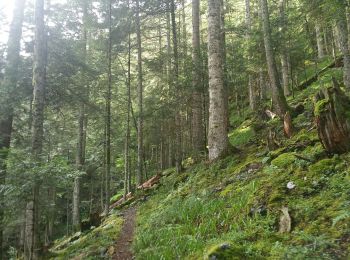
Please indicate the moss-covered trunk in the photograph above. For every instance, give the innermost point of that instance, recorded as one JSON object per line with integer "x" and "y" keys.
{"x": 333, "y": 119}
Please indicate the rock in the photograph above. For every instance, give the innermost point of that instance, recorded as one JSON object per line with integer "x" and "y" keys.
{"x": 285, "y": 225}
{"x": 102, "y": 251}
{"x": 261, "y": 210}
{"x": 291, "y": 185}
{"x": 111, "y": 251}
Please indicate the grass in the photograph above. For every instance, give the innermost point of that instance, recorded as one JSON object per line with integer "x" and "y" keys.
{"x": 92, "y": 245}
{"x": 231, "y": 210}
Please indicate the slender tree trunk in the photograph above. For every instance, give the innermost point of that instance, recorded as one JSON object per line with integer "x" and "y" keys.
{"x": 320, "y": 41}
{"x": 39, "y": 82}
{"x": 79, "y": 164}
{"x": 140, "y": 97}
{"x": 198, "y": 142}
{"x": 8, "y": 88}
{"x": 176, "y": 90}
{"x": 217, "y": 136}
{"x": 127, "y": 184}
{"x": 108, "y": 110}
{"x": 278, "y": 99}
{"x": 248, "y": 22}
{"x": 262, "y": 85}
{"x": 169, "y": 81}
{"x": 284, "y": 51}
{"x": 344, "y": 44}
{"x": 224, "y": 57}
{"x": 81, "y": 142}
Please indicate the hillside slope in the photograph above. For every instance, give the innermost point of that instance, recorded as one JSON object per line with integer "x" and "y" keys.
{"x": 233, "y": 209}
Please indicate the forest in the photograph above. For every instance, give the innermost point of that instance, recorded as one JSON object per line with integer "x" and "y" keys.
{"x": 174, "y": 129}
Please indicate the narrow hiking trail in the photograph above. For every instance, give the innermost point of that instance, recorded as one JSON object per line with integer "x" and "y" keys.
{"x": 123, "y": 244}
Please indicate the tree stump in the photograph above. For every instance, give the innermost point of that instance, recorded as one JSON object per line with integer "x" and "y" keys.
{"x": 332, "y": 112}
{"x": 288, "y": 125}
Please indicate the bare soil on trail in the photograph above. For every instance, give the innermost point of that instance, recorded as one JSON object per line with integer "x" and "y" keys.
{"x": 122, "y": 246}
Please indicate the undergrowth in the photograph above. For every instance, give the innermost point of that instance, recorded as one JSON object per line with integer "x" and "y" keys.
{"x": 90, "y": 245}
{"x": 231, "y": 209}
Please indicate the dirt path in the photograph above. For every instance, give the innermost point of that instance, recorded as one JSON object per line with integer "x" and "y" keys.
{"x": 123, "y": 244}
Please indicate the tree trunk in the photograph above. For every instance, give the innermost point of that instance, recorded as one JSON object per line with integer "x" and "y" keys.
{"x": 39, "y": 83}
{"x": 320, "y": 42}
{"x": 108, "y": 110}
{"x": 262, "y": 85}
{"x": 176, "y": 90}
{"x": 278, "y": 99}
{"x": 140, "y": 97}
{"x": 8, "y": 88}
{"x": 284, "y": 51}
{"x": 217, "y": 136}
{"x": 332, "y": 119}
{"x": 127, "y": 184}
{"x": 76, "y": 205}
{"x": 251, "y": 90}
{"x": 198, "y": 143}
{"x": 82, "y": 124}
{"x": 344, "y": 44}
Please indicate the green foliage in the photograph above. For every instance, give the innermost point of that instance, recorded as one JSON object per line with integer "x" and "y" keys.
{"x": 91, "y": 245}
{"x": 242, "y": 135}
{"x": 326, "y": 166}
{"x": 227, "y": 211}
{"x": 225, "y": 251}
{"x": 320, "y": 106}
{"x": 116, "y": 197}
{"x": 284, "y": 160}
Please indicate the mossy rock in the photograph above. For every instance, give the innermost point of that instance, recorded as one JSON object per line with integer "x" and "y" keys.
{"x": 225, "y": 251}
{"x": 325, "y": 166}
{"x": 315, "y": 152}
{"x": 284, "y": 160}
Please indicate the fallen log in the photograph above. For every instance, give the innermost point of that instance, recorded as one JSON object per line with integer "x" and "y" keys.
{"x": 150, "y": 183}
{"x": 314, "y": 78}
{"x": 121, "y": 201}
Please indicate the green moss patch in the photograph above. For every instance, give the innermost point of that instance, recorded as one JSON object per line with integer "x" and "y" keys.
{"x": 284, "y": 160}
{"x": 92, "y": 245}
{"x": 242, "y": 135}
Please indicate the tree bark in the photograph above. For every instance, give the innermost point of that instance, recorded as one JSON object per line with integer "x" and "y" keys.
{"x": 39, "y": 84}
{"x": 108, "y": 110}
{"x": 344, "y": 44}
{"x": 176, "y": 90}
{"x": 217, "y": 136}
{"x": 127, "y": 183}
{"x": 251, "y": 90}
{"x": 140, "y": 97}
{"x": 320, "y": 42}
{"x": 332, "y": 119}
{"x": 8, "y": 89}
{"x": 81, "y": 142}
{"x": 284, "y": 51}
{"x": 278, "y": 99}
{"x": 198, "y": 142}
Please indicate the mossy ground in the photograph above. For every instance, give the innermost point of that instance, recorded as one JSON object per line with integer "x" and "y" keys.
{"x": 231, "y": 209}
{"x": 91, "y": 245}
